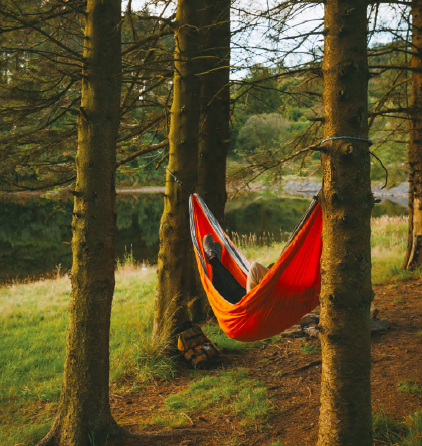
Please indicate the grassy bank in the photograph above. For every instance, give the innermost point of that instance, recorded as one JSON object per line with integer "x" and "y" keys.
{"x": 389, "y": 241}
{"x": 34, "y": 319}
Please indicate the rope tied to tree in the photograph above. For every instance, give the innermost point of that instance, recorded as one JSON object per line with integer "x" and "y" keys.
{"x": 178, "y": 181}
{"x": 364, "y": 140}
{"x": 319, "y": 145}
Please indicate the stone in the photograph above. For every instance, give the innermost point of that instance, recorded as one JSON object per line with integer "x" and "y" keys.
{"x": 309, "y": 319}
{"x": 312, "y": 331}
{"x": 378, "y": 325}
{"x": 293, "y": 332}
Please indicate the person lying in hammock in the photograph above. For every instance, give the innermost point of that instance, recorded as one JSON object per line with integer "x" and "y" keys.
{"x": 223, "y": 280}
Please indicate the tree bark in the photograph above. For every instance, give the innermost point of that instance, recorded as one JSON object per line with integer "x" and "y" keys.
{"x": 214, "y": 132}
{"x": 214, "y": 137}
{"x": 84, "y": 416}
{"x": 176, "y": 277}
{"x": 413, "y": 256}
{"x": 347, "y": 201}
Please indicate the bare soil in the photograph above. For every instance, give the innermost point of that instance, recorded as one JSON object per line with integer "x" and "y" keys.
{"x": 396, "y": 356}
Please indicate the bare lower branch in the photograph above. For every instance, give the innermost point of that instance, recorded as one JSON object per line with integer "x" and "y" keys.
{"x": 141, "y": 152}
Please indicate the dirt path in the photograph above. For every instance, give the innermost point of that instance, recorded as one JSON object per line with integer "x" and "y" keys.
{"x": 396, "y": 356}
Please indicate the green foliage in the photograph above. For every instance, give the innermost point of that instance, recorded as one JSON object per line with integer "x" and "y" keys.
{"x": 268, "y": 112}
{"x": 229, "y": 392}
{"x": 267, "y": 92}
{"x": 142, "y": 171}
{"x": 262, "y": 132}
{"x": 40, "y": 93}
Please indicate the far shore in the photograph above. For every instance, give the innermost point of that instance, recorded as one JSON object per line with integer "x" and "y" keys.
{"x": 396, "y": 194}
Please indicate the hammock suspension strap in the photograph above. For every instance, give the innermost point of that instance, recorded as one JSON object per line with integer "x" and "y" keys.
{"x": 178, "y": 181}
{"x": 346, "y": 137}
{"x": 314, "y": 148}
{"x": 359, "y": 139}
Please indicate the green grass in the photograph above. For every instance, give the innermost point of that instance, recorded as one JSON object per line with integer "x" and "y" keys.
{"x": 309, "y": 349}
{"x": 229, "y": 392}
{"x": 224, "y": 342}
{"x": 262, "y": 254}
{"x": 388, "y": 242}
{"x": 33, "y": 325}
{"x": 409, "y": 386}
{"x": 34, "y": 320}
{"x": 414, "y": 434}
{"x": 388, "y": 432}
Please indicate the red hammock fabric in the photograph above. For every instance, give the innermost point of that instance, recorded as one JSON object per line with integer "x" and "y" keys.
{"x": 289, "y": 290}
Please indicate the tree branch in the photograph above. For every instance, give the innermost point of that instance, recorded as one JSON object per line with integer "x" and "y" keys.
{"x": 141, "y": 152}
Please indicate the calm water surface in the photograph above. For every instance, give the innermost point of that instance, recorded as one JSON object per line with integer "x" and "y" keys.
{"x": 35, "y": 232}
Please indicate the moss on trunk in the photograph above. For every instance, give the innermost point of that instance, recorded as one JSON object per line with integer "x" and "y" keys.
{"x": 347, "y": 201}
{"x": 176, "y": 274}
{"x": 413, "y": 256}
{"x": 84, "y": 416}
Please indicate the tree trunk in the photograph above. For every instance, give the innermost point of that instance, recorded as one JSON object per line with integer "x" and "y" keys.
{"x": 214, "y": 133}
{"x": 84, "y": 416}
{"x": 176, "y": 277}
{"x": 214, "y": 137}
{"x": 347, "y": 201}
{"x": 413, "y": 256}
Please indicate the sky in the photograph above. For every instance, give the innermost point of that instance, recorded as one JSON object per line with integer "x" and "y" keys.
{"x": 270, "y": 40}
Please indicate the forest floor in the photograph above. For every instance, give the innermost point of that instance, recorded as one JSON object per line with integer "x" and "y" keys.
{"x": 255, "y": 397}
{"x": 283, "y": 410}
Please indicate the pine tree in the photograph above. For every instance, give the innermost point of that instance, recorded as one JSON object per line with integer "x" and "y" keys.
{"x": 347, "y": 201}
{"x": 413, "y": 256}
{"x": 176, "y": 277}
{"x": 214, "y": 138}
{"x": 84, "y": 416}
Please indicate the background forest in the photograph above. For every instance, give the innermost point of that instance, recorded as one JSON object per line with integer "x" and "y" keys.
{"x": 274, "y": 104}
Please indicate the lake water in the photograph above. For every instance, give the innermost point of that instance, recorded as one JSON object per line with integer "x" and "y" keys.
{"x": 35, "y": 232}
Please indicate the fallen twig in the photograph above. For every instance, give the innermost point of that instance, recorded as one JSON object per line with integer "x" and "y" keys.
{"x": 135, "y": 438}
{"x": 304, "y": 367}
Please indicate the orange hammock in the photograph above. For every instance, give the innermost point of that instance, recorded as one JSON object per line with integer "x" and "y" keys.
{"x": 288, "y": 291}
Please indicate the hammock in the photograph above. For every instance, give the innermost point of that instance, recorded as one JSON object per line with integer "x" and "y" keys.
{"x": 288, "y": 291}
